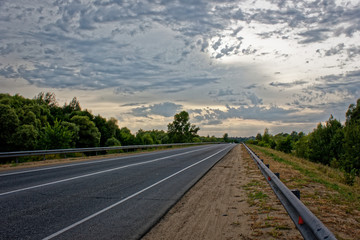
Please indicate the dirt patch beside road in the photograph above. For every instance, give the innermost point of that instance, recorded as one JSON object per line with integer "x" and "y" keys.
{"x": 232, "y": 201}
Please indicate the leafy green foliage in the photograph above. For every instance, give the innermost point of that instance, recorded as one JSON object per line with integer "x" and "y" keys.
{"x": 181, "y": 130}
{"x": 112, "y": 142}
{"x": 325, "y": 142}
{"x": 125, "y": 136}
{"x": 285, "y": 145}
{"x": 89, "y": 135}
{"x": 351, "y": 156}
{"x": 40, "y": 123}
{"x": 25, "y": 137}
{"x": 226, "y": 137}
{"x": 9, "y": 121}
{"x": 330, "y": 144}
{"x": 57, "y": 136}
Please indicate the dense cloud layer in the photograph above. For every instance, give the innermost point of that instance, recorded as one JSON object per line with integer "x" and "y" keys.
{"x": 258, "y": 60}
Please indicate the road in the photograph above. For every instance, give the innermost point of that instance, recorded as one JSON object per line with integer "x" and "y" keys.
{"x": 115, "y": 198}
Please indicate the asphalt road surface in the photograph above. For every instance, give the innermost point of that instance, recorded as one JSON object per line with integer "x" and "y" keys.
{"x": 115, "y": 198}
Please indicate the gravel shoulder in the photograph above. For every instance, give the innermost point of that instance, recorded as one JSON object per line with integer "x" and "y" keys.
{"x": 232, "y": 201}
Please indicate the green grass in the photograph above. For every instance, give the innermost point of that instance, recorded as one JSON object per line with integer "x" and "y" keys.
{"x": 257, "y": 195}
{"x": 331, "y": 178}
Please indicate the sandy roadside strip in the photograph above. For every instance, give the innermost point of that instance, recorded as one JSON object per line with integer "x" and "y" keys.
{"x": 232, "y": 201}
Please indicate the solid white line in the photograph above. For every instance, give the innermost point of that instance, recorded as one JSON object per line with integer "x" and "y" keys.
{"x": 129, "y": 197}
{"x": 75, "y": 164}
{"x": 96, "y": 173}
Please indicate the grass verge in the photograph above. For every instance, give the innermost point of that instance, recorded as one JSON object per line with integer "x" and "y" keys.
{"x": 322, "y": 188}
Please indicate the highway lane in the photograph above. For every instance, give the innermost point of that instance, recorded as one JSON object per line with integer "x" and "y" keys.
{"x": 117, "y": 198}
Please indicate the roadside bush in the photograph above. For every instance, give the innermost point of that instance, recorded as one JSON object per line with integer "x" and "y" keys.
{"x": 112, "y": 142}
{"x": 349, "y": 177}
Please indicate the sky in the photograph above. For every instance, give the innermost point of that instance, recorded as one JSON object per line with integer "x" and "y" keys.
{"x": 237, "y": 67}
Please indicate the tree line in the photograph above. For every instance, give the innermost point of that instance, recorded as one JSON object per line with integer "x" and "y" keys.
{"x": 331, "y": 143}
{"x": 40, "y": 123}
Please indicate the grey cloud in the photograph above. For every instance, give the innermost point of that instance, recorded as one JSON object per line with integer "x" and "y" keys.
{"x": 322, "y": 19}
{"x": 217, "y": 44}
{"x": 351, "y": 51}
{"x": 344, "y": 86}
{"x": 216, "y": 116}
{"x": 314, "y": 35}
{"x": 255, "y": 100}
{"x": 213, "y": 122}
{"x": 236, "y": 31}
{"x": 229, "y": 95}
{"x": 198, "y": 111}
{"x": 335, "y": 50}
{"x": 251, "y": 86}
{"x": 166, "y": 109}
{"x": 131, "y": 104}
{"x": 77, "y": 59}
{"x": 249, "y": 50}
{"x": 9, "y": 72}
{"x": 7, "y": 49}
{"x": 288, "y": 84}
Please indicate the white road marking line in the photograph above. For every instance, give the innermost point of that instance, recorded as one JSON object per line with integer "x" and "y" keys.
{"x": 129, "y": 197}
{"x": 95, "y": 173}
{"x": 75, "y": 164}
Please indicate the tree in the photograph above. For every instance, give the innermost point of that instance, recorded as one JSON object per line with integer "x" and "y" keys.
{"x": 106, "y": 133}
{"x": 325, "y": 142}
{"x": 258, "y": 137}
{"x": 284, "y": 145}
{"x": 181, "y": 130}
{"x": 47, "y": 99}
{"x": 351, "y": 157}
{"x": 74, "y": 129}
{"x": 226, "y": 137}
{"x": 25, "y": 138}
{"x": 125, "y": 136}
{"x": 112, "y": 142}
{"x": 9, "y": 121}
{"x": 57, "y": 136}
{"x": 266, "y": 136}
{"x": 74, "y": 105}
{"x": 302, "y": 147}
{"x": 89, "y": 135}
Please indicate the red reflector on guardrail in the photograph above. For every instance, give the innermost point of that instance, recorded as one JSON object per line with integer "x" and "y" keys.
{"x": 301, "y": 221}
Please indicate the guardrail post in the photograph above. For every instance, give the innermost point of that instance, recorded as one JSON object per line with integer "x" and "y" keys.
{"x": 296, "y": 192}
{"x": 277, "y": 174}
{"x": 267, "y": 165}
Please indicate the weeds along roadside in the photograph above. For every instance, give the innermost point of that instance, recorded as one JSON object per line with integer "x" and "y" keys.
{"x": 323, "y": 190}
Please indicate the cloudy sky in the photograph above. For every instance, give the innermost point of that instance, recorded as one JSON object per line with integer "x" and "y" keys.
{"x": 235, "y": 66}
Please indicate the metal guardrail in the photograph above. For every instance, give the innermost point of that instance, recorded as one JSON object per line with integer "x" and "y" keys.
{"x": 306, "y": 222}
{"x": 83, "y": 150}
